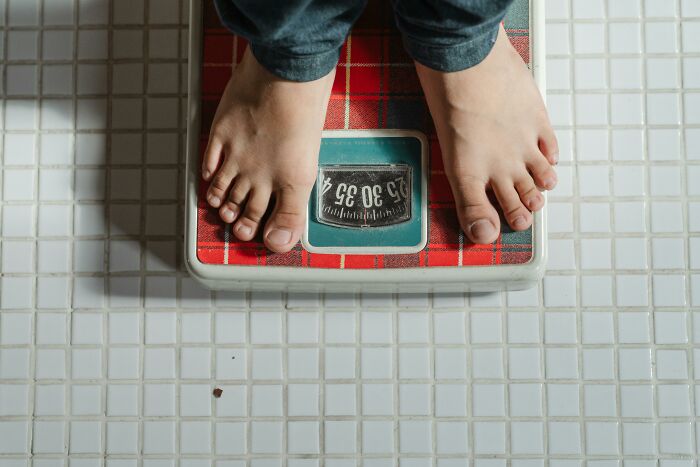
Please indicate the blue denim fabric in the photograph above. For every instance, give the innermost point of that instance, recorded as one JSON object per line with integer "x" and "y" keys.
{"x": 449, "y": 35}
{"x": 300, "y": 40}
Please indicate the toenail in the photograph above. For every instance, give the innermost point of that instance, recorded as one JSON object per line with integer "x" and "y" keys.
{"x": 555, "y": 158}
{"x": 214, "y": 201}
{"x": 228, "y": 215}
{"x": 531, "y": 203}
{"x": 244, "y": 229}
{"x": 279, "y": 237}
{"x": 481, "y": 228}
{"x": 519, "y": 222}
{"x": 206, "y": 174}
{"x": 549, "y": 183}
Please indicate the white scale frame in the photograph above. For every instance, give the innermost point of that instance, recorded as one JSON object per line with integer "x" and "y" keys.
{"x": 306, "y": 279}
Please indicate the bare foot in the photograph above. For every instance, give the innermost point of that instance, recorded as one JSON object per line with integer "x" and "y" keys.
{"x": 268, "y": 130}
{"x": 495, "y": 135}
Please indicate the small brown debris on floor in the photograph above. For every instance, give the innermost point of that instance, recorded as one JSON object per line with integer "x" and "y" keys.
{"x": 218, "y": 392}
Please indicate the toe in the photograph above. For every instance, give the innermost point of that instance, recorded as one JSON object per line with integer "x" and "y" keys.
{"x": 530, "y": 196}
{"x": 255, "y": 207}
{"x": 230, "y": 210}
{"x": 517, "y": 215}
{"x": 286, "y": 224}
{"x": 477, "y": 216}
{"x": 220, "y": 185}
{"x": 212, "y": 156}
{"x": 549, "y": 146}
{"x": 542, "y": 172}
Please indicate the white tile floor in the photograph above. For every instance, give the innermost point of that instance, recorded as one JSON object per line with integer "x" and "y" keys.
{"x": 109, "y": 352}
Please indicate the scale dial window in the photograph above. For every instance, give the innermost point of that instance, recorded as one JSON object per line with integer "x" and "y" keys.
{"x": 364, "y": 196}
{"x": 370, "y": 195}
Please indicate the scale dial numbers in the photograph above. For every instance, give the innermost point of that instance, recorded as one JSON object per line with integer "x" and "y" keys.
{"x": 364, "y": 196}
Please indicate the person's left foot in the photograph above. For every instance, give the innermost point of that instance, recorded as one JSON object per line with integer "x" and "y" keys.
{"x": 495, "y": 135}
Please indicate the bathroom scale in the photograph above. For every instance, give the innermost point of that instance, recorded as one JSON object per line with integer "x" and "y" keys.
{"x": 381, "y": 216}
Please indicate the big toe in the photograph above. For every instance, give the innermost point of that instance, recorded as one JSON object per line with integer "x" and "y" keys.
{"x": 286, "y": 224}
{"x": 477, "y": 216}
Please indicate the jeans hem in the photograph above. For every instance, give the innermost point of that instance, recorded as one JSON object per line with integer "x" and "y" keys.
{"x": 450, "y": 58}
{"x": 295, "y": 68}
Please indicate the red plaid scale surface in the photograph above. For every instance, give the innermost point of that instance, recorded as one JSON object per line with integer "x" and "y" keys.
{"x": 376, "y": 87}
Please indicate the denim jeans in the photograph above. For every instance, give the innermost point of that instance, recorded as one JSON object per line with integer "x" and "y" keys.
{"x": 300, "y": 40}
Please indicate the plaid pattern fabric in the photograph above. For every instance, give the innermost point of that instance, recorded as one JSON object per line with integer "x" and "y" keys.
{"x": 375, "y": 87}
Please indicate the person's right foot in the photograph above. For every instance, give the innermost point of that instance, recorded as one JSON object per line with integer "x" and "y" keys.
{"x": 495, "y": 135}
{"x": 268, "y": 131}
